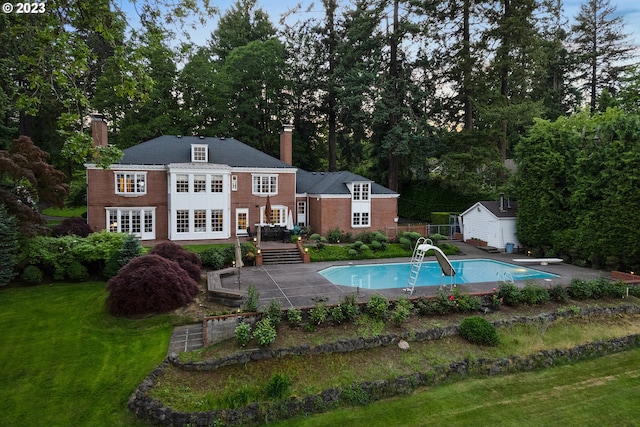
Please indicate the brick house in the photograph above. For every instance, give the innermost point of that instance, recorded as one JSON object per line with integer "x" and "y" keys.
{"x": 197, "y": 188}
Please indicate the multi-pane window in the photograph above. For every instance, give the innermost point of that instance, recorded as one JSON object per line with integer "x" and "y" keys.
{"x": 216, "y": 220}
{"x": 135, "y": 222}
{"x": 148, "y": 223}
{"x": 365, "y": 218}
{"x": 131, "y": 220}
{"x": 182, "y": 221}
{"x": 277, "y": 216}
{"x": 182, "y": 183}
{"x": 131, "y": 183}
{"x": 216, "y": 183}
{"x": 361, "y": 191}
{"x": 199, "y": 153}
{"x": 200, "y": 221}
{"x": 242, "y": 221}
{"x": 356, "y": 218}
{"x": 265, "y": 184}
{"x": 199, "y": 183}
{"x": 234, "y": 183}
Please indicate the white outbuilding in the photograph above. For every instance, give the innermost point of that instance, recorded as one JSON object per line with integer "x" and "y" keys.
{"x": 491, "y": 221}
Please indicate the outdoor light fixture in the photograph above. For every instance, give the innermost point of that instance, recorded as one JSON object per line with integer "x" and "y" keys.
{"x": 306, "y": 250}
{"x": 255, "y": 239}
{"x": 299, "y": 238}
{"x": 259, "y": 251}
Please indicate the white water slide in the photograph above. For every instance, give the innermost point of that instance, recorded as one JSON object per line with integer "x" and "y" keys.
{"x": 423, "y": 245}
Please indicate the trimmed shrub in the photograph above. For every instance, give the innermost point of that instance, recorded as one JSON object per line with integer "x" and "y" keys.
{"x": 76, "y": 226}
{"x": 612, "y": 289}
{"x": 188, "y": 261}
{"x": 9, "y": 245}
{"x": 478, "y": 330}
{"x": 377, "y": 306}
{"x": 32, "y": 274}
{"x": 265, "y": 332}
{"x": 149, "y": 284}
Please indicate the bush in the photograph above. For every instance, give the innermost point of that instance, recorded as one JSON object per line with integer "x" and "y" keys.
{"x": 75, "y": 226}
{"x": 149, "y": 284}
{"x": 9, "y": 245}
{"x": 212, "y": 258}
{"x": 479, "y": 330}
{"x": 77, "y": 272}
{"x": 613, "y": 289}
{"x": 294, "y": 316}
{"x": 337, "y": 315}
{"x": 265, "y": 332}
{"x": 32, "y": 274}
{"x": 352, "y": 253}
{"x": 350, "y": 307}
{"x": 318, "y": 314}
{"x": 251, "y": 303}
{"x": 510, "y": 294}
{"x": 243, "y": 333}
{"x": 274, "y": 312}
{"x": 580, "y": 289}
{"x": 401, "y": 311}
{"x": 188, "y": 261}
{"x": 377, "y": 306}
{"x": 533, "y": 294}
{"x": 559, "y": 294}
{"x": 278, "y": 387}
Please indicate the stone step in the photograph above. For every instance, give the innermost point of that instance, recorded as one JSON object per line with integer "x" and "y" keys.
{"x": 281, "y": 256}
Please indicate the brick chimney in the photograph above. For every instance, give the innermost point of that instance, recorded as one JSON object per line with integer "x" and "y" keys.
{"x": 99, "y": 130}
{"x": 286, "y": 144}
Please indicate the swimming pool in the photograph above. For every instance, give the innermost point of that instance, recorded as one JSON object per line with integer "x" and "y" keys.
{"x": 385, "y": 276}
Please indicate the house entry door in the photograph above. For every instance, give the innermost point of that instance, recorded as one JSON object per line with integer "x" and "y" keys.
{"x": 242, "y": 221}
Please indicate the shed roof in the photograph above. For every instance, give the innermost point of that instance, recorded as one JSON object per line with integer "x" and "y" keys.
{"x": 509, "y": 211}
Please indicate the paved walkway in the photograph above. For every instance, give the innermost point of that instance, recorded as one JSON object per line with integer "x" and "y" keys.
{"x": 186, "y": 338}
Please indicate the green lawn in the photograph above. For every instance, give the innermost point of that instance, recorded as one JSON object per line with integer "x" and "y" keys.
{"x": 600, "y": 392}
{"x": 65, "y": 212}
{"x": 66, "y": 362}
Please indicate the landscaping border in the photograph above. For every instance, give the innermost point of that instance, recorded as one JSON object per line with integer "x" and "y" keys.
{"x": 153, "y": 410}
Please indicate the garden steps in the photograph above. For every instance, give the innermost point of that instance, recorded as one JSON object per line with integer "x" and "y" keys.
{"x": 289, "y": 255}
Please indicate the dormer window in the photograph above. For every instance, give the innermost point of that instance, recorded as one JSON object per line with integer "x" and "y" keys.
{"x": 199, "y": 153}
{"x": 361, "y": 191}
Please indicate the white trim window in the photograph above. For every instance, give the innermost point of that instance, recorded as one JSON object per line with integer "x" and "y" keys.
{"x": 182, "y": 183}
{"x": 361, "y": 191}
{"x": 360, "y": 219}
{"x": 217, "y": 220}
{"x": 199, "y": 183}
{"x": 131, "y": 183}
{"x": 216, "y": 184}
{"x": 265, "y": 184}
{"x": 182, "y": 221}
{"x": 200, "y": 221}
{"x": 234, "y": 182}
{"x": 138, "y": 221}
{"x": 242, "y": 221}
{"x": 199, "y": 153}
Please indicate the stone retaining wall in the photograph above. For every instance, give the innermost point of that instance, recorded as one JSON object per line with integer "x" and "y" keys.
{"x": 153, "y": 410}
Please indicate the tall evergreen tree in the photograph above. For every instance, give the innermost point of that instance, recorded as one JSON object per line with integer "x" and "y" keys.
{"x": 600, "y": 47}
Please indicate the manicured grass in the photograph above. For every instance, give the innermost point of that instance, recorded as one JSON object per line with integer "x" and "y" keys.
{"x": 600, "y": 392}
{"x": 66, "y": 362}
{"x": 65, "y": 212}
{"x": 331, "y": 252}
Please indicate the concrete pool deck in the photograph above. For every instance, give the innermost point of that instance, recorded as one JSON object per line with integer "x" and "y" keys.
{"x": 300, "y": 285}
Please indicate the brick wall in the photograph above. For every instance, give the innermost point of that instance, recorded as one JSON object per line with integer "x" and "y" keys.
{"x": 326, "y": 214}
{"x": 102, "y": 193}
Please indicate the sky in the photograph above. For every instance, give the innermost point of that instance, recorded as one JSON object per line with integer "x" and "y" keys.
{"x": 628, "y": 9}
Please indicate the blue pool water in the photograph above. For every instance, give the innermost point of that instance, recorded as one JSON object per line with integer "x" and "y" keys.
{"x": 384, "y": 276}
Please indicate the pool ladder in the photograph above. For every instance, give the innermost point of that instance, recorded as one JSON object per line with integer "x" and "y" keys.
{"x": 416, "y": 263}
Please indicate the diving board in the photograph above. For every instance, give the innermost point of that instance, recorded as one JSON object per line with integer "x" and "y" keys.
{"x": 541, "y": 261}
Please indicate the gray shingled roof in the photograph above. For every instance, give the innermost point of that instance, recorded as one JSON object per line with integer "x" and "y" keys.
{"x": 332, "y": 183}
{"x": 173, "y": 149}
{"x": 510, "y": 208}
{"x": 228, "y": 151}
